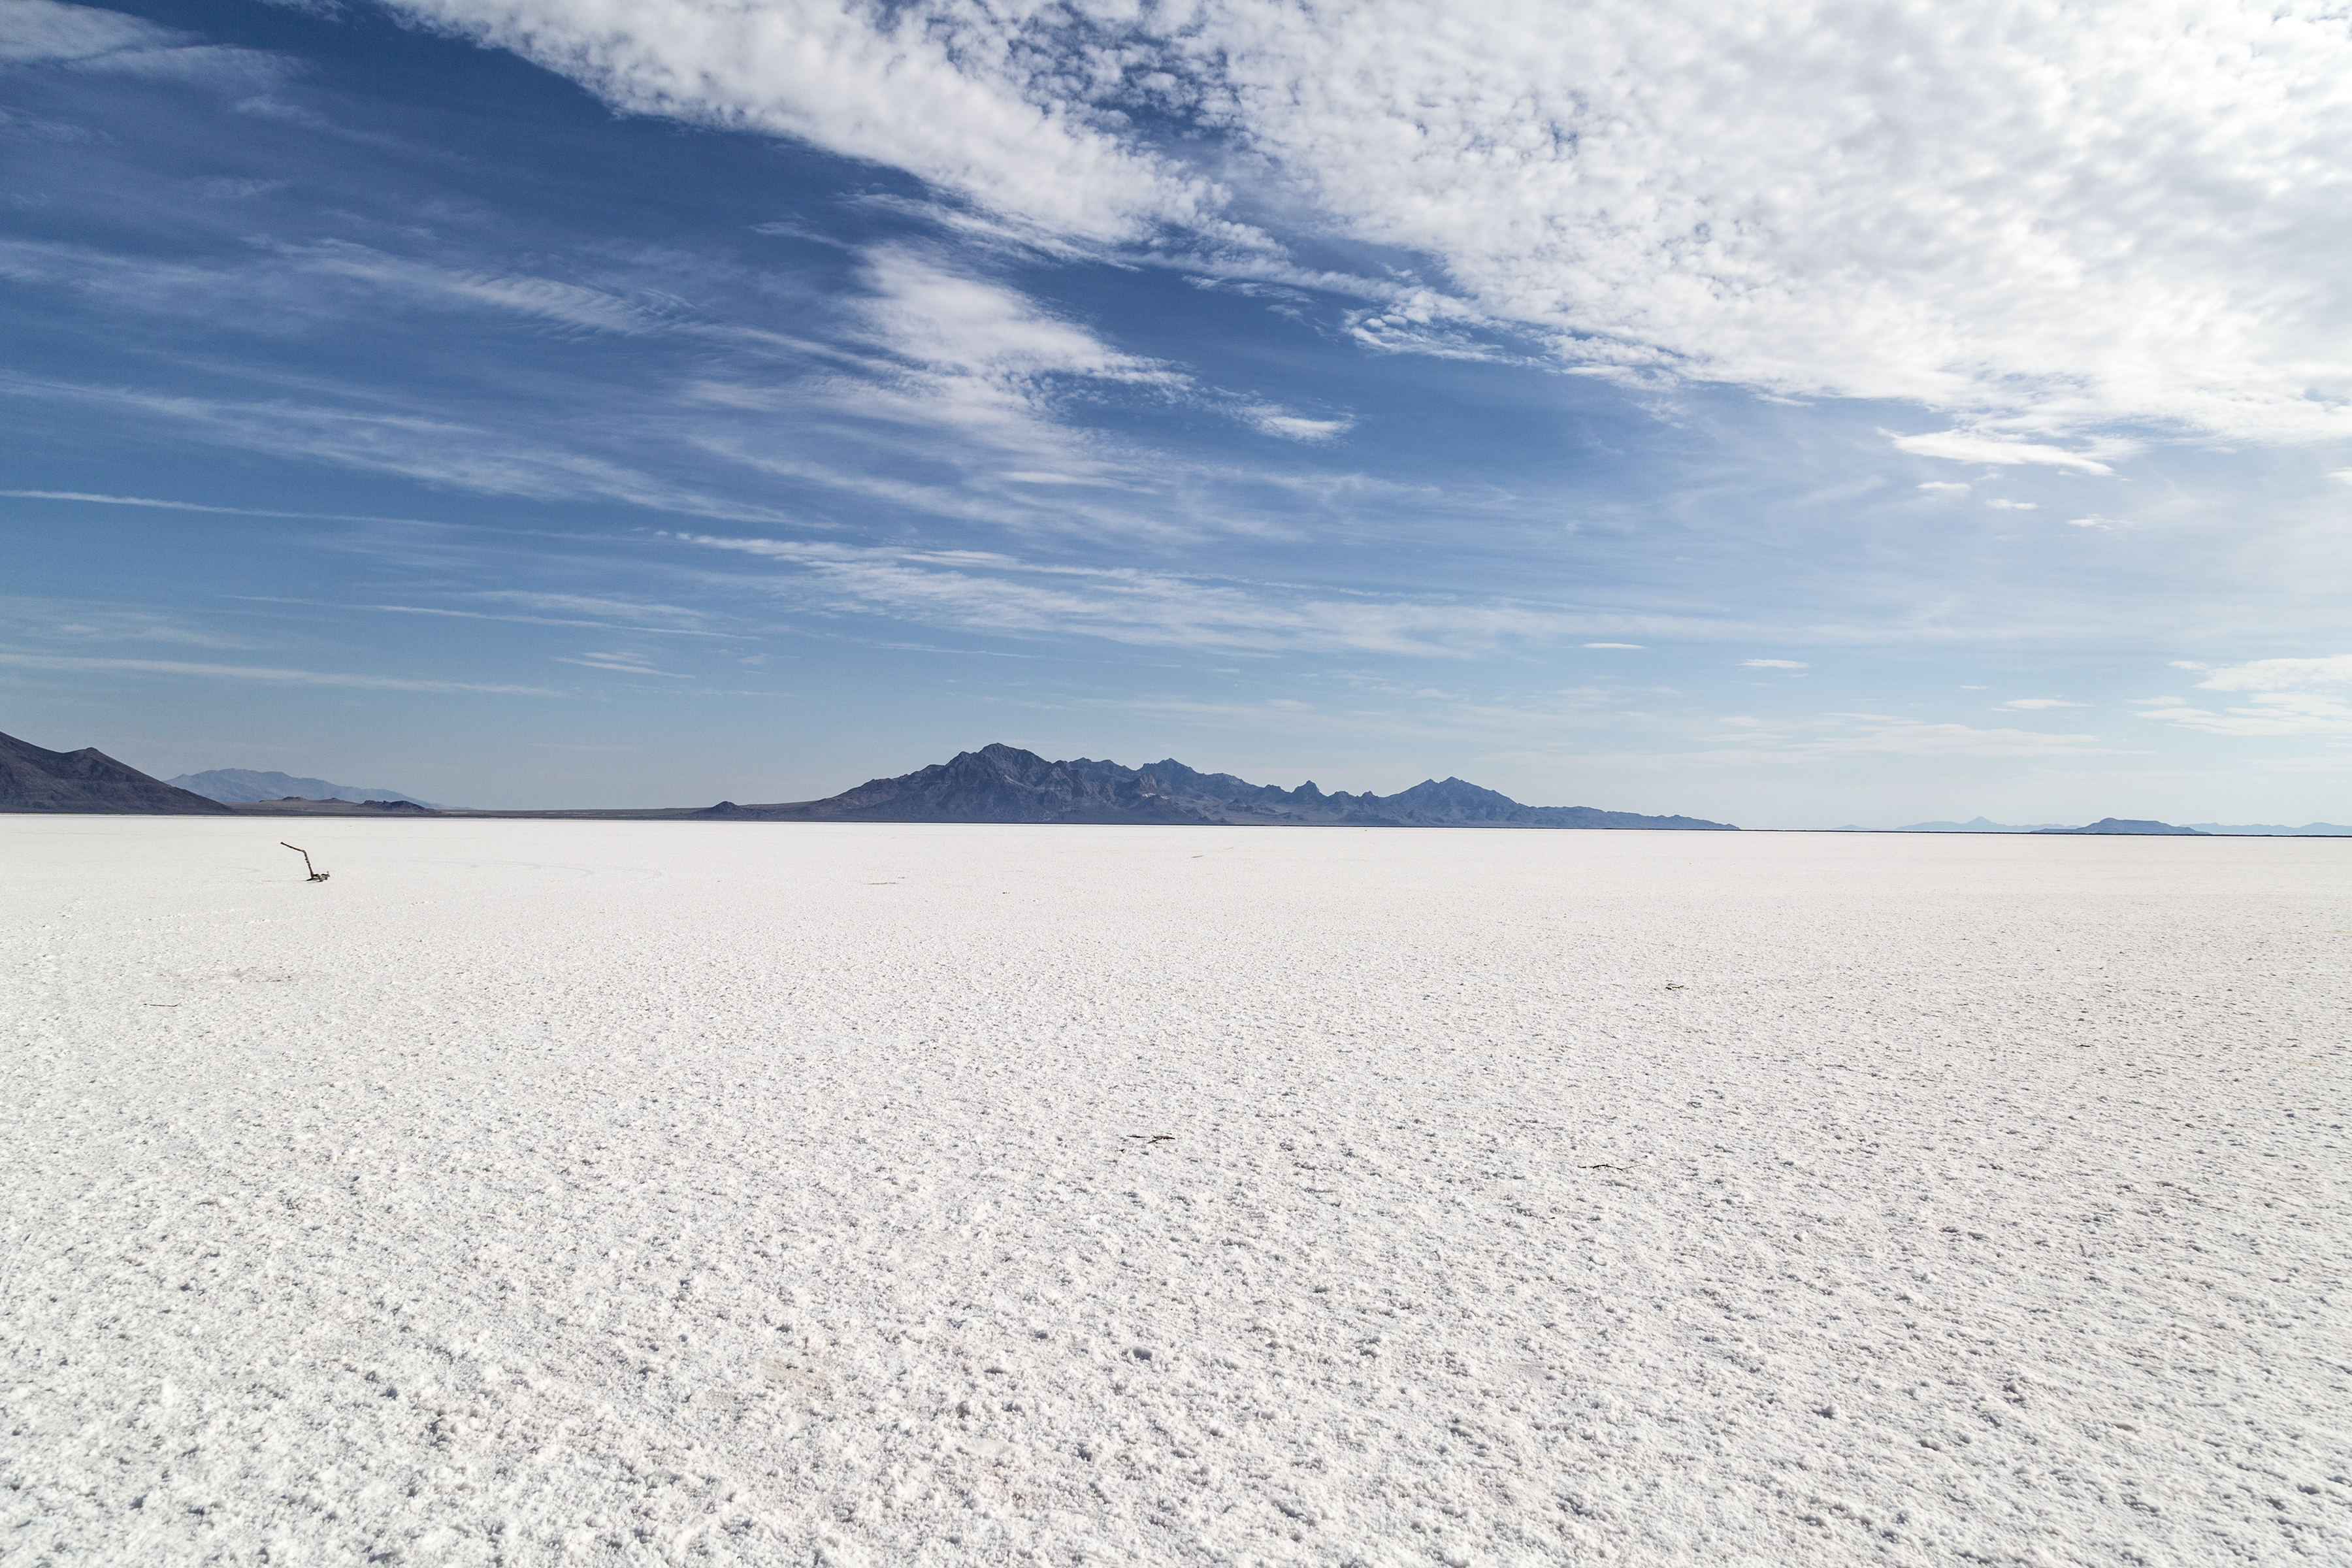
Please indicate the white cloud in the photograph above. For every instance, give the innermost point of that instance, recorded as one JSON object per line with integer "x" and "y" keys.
{"x": 620, "y": 664}
{"x": 950, "y": 320}
{"x": 1968, "y": 447}
{"x": 990, "y": 592}
{"x": 85, "y": 37}
{"x": 1273, "y": 421}
{"x": 677, "y": 617}
{"x": 1858, "y": 734}
{"x": 2286, "y": 697}
{"x": 549, "y": 299}
{"x": 34, "y": 31}
{"x": 1629, "y": 645}
{"x": 2013, "y": 505}
{"x": 1772, "y": 664}
{"x": 447, "y": 614}
{"x": 990, "y": 361}
{"x": 2091, "y": 212}
{"x": 983, "y": 379}
{"x": 2278, "y": 674}
{"x": 1907, "y": 738}
{"x": 434, "y": 450}
{"x": 2271, "y": 713}
{"x": 182, "y": 505}
{"x": 1944, "y": 486}
{"x": 841, "y": 77}
{"x": 2094, "y": 520}
{"x": 265, "y": 676}
{"x": 2034, "y": 704}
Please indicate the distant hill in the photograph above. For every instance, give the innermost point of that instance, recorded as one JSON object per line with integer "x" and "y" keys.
{"x": 2123, "y": 825}
{"x": 1004, "y": 784}
{"x": 1981, "y": 825}
{"x": 245, "y": 785}
{"x": 32, "y": 779}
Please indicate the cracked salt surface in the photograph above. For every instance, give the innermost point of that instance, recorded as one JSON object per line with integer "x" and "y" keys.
{"x": 741, "y": 1193}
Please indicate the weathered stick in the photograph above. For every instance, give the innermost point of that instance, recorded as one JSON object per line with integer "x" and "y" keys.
{"x": 316, "y": 875}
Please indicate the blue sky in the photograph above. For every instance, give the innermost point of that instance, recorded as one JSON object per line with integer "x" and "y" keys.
{"x": 642, "y": 402}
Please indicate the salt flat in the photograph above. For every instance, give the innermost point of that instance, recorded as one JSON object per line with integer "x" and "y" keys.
{"x": 740, "y": 1192}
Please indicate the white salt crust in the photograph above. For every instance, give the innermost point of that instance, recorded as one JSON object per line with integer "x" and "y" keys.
{"x": 539, "y": 1193}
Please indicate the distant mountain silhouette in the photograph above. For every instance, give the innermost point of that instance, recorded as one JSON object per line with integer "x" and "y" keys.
{"x": 246, "y": 784}
{"x": 32, "y": 779}
{"x": 1004, "y": 784}
{"x": 2126, "y": 825}
{"x": 1982, "y": 825}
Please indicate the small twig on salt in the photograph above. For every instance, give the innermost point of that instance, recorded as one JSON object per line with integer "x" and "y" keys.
{"x": 316, "y": 875}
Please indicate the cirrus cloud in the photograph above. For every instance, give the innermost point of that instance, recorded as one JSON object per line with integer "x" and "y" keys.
{"x": 2082, "y": 213}
{"x": 2284, "y": 696}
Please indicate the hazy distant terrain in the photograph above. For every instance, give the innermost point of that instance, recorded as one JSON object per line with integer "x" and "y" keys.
{"x": 246, "y": 784}
{"x": 1982, "y": 825}
{"x": 545, "y": 1191}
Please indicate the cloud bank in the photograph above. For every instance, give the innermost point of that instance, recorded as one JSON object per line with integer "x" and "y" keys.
{"x": 2279, "y": 697}
{"x": 2041, "y": 217}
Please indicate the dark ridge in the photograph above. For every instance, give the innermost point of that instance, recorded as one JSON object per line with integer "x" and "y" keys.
{"x": 1004, "y": 784}
{"x": 2128, "y": 825}
{"x": 32, "y": 779}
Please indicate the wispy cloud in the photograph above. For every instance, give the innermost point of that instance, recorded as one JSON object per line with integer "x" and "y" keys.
{"x": 638, "y": 628}
{"x": 550, "y": 300}
{"x": 1863, "y": 734}
{"x": 89, "y": 38}
{"x": 38, "y": 31}
{"x": 266, "y": 676}
{"x": 620, "y": 664}
{"x": 1773, "y": 664}
{"x": 195, "y": 506}
{"x": 1970, "y": 447}
{"x": 1639, "y": 187}
{"x": 2284, "y": 696}
{"x": 988, "y": 591}
{"x": 1273, "y": 421}
{"x": 429, "y": 447}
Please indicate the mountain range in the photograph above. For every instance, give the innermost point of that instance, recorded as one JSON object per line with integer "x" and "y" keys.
{"x": 995, "y": 784}
{"x": 2210, "y": 829}
{"x": 245, "y": 785}
{"x": 1004, "y": 784}
{"x": 34, "y": 779}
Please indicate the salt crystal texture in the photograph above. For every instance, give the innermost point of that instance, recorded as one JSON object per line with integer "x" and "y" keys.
{"x": 544, "y": 1192}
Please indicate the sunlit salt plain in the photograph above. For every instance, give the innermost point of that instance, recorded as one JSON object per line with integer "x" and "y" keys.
{"x": 540, "y": 1191}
